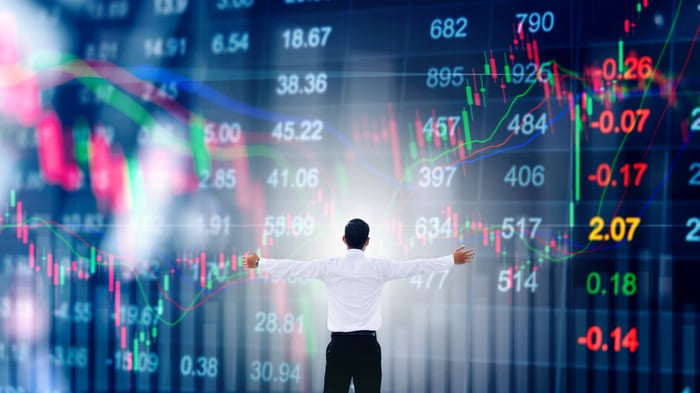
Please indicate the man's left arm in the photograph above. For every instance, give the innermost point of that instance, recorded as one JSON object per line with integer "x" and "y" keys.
{"x": 396, "y": 270}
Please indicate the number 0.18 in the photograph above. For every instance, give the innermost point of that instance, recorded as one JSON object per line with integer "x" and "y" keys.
{"x": 628, "y": 285}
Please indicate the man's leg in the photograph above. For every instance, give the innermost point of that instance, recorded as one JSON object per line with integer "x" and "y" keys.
{"x": 338, "y": 370}
{"x": 368, "y": 366}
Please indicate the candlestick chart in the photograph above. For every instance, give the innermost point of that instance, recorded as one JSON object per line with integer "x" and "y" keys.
{"x": 148, "y": 146}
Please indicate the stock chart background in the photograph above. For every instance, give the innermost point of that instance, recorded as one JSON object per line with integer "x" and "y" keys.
{"x": 146, "y": 145}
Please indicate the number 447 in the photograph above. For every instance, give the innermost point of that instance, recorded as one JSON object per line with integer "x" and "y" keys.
{"x": 515, "y": 280}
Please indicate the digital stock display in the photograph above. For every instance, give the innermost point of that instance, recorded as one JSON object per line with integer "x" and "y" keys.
{"x": 147, "y": 145}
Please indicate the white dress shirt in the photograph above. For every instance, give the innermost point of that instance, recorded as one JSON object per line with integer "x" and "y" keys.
{"x": 354, "y": 283}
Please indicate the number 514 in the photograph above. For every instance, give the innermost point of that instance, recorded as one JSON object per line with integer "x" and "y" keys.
{"x": 509, "y": 279}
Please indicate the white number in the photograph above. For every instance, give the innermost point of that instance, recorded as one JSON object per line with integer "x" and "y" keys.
{"x": 223, "y": 179}
{"x": 146, "y": 362}
{"x": 278, "y": 226}
{"x": 507, "y": 280}
{"x": 223, "y": 133}
{"x": 694, "y": 234}
{"x": 217, "y": 224}
{"x": 264, "y": 371}
{"x": 82, "y": 312}
{"x": 527, "y": 125}
{"x": 448, "y": 28}
{"x": 695, "y": 179}
{"x": 207, "y": 366}
{"x": 307, "y": 130}
{"x": 432, "y": 227}
{"x": 165, "y": 90}
{"x": 695, "y": 127}
{"x": 304, "y": 178}
{"x": 115, "y": 9}
{"x": 261, "y": 371}
{"x": 316, "y": 37}
{"x": 230, "y": 43}
{"x": 436, "y": 177}
{"x": 315, "y": 83}
{"x": 234, "y": 4}
{"x": 169, "y": 7}
{"x": 536, "y": 21}
{"x": 292, "y": 84}
{"x": 267, "y": 323}
{"x": 130, "y": 315}
{"x": 70, "y": 356}
{"x": 530, "y": 73}
{"x": 509, "y": 224}
{"x": 102, "y": 50}
{"x": 418, "y": 280}
{"x": 444, "y": 77}
{"x": 442, "y": 125}
{"x": 287, "y": 84}
{"x": 525, "y": 176}
{"x": 165, "y": 47}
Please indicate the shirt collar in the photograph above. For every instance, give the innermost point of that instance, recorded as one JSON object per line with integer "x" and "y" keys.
{"x": 355, "y": 251}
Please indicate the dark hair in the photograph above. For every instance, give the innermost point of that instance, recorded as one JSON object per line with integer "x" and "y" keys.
{"x": 356, "y": 233}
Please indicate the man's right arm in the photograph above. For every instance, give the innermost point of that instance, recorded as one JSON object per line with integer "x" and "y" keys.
{"x": 462, "y": 255}
{"x": 286, "y": 267}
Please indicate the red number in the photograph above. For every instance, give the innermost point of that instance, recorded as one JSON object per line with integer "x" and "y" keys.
{"x": 609, "y": 69}
{"x": 639, "y": 167}
{"x": 630, "y": 341}
{"x": 645, "y": 68}
{"x": 603, "y": 175}
{"x": 606, "y": 121}
{"x": 643, "y": 115}
{"x": 631, "y": 65}
{"x": 594, "y": 338}
{"x": 627, "y": 120}
{"x": 639, "y": 68}
{"x": 616, "y": 334}
{"x": 635, "y": 68}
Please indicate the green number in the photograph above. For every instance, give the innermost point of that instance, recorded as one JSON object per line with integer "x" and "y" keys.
{"x": 593, "y": 283}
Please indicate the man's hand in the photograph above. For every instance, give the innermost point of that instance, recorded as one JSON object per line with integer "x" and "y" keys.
{"x": 251, "y": 260}
{"x": 462, "y": 256}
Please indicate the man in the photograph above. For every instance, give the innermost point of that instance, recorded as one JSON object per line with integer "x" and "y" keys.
{"x": 354, "y": 284}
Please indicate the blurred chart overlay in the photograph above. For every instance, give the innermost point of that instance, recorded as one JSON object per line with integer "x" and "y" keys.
{"x": 146, "y": 145}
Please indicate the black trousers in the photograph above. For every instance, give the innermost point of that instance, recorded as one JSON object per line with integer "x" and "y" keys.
{"x": 353, "y": 356}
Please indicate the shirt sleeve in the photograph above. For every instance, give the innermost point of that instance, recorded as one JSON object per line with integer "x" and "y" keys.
{"x": 293, "y": 268}
{"x": 392, "y": 270}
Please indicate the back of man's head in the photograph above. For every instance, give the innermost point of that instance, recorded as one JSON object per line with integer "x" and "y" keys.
{"x": 356, "y": 233}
